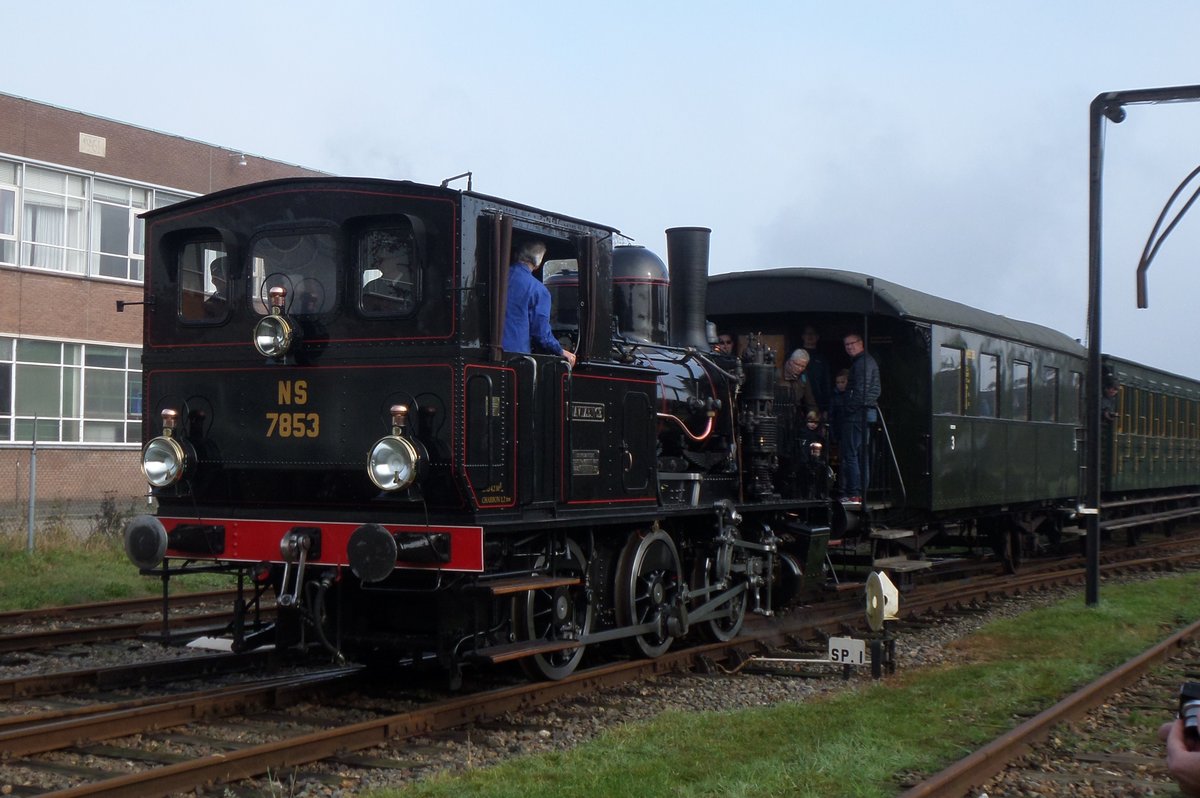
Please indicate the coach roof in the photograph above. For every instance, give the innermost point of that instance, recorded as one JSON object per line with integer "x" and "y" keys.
{"x": 834, "y": 291}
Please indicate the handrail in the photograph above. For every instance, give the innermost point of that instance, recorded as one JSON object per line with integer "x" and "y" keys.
{"x": 895, "y": 463}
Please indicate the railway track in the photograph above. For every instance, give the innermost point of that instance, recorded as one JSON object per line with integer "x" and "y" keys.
{"x": 102, "y": 609}
{"x": 149, "y": 730}
{"x": 51, "y": 627}
{"x": 1125, "y": 771}
{"x": 117, "y": 677}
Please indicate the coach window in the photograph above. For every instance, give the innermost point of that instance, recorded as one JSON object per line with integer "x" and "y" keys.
{"x": 1074, "y": 406}
{"x": 948, "y": 382}
{"x": 1020, "y": 390}
{"x": 1051, "y": 393}
{"x": 389, "y": 270}
{"x": 303, "y": 264}
{"x": 203, "y": 274}
{"x": 989, "y": 385}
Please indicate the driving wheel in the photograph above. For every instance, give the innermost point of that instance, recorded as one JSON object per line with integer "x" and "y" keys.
{"x": 649, "y": 578}
{"x": 552, "y": 614}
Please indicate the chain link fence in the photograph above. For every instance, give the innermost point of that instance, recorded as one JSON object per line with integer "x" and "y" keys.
{"x": 54, "y": 492}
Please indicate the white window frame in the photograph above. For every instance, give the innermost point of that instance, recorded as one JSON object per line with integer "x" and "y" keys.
{"x": 77, "y": 425}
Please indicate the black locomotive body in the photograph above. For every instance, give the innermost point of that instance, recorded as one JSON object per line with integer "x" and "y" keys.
{"x": 329, "y": 411}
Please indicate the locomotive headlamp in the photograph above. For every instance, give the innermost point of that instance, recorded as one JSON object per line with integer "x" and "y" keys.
{"x": 164, "y": 459}
{"x": 396, "y": 461}
{"x": 274, "y": 334}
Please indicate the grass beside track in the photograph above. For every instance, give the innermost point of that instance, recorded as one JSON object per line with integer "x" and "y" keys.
{"x": 65, "y": 568}
{"x": 860, "y": 742}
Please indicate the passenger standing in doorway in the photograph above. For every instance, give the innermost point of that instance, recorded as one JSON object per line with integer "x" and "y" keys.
{"x": 793, "y": 400}
{"x": 527, "y": 318}
{"x": 862, "y": 399}
{"x": 818, "y": 370}
{"x": 1108, "y": 402}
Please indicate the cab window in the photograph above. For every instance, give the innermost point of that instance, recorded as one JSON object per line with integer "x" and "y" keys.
{"x": 389, "y": 268}
{"x": 303, "y": 264}
{"x": 203, "y": 270}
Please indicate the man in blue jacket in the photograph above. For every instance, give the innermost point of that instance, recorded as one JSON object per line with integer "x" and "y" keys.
{"x": 527, "y": 318}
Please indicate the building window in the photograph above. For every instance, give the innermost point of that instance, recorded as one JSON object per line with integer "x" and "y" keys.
{"x": 53, "y": 220}
{"x": 117, "y": 232}
{"x": 47, "y": 221}
{"x": 8, "y": 212}
{"x": 6, "y": 368}
{"x": 68, "y": 392}
{"x": 162, "y": 199}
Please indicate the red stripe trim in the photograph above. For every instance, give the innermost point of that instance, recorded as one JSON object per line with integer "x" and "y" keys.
{"x": 258, "y": 541}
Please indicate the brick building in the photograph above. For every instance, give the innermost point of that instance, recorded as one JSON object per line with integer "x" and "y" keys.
{"x": 71, "y": 188}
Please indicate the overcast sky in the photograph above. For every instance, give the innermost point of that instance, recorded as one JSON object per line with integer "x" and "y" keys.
{"x": 941, "y": 145}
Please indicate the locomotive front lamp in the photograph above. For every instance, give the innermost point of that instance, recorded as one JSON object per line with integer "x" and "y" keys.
{"x": 395, "y": 460}
{"x": 164, "y": 459}
{"x": 274, "y": 334}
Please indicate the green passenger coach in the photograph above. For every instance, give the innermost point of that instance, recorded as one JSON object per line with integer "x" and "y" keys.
{"x": 979, "y": 414}
{"x": 1152, "y": 441}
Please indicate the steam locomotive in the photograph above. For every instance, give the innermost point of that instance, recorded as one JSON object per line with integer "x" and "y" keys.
{"x": 331, "y": 416}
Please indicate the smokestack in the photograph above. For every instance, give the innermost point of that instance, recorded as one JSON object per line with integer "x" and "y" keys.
{"x": 687, "y": 258}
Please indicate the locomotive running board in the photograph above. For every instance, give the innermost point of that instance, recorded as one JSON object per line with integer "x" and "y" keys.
{"x": 493, "y": 655}
{"x": 522, "y": 584}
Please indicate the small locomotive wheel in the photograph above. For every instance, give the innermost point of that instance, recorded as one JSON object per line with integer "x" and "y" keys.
{"x": 649, "y": 577}
{"x": 556, "y": 614}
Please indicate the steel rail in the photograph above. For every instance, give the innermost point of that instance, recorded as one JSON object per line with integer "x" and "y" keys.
{"x": 114, "y": 607}
{"x": 60, "y": 729}
{"x": 24, "y": 641}
{"x": 117, "y": 676}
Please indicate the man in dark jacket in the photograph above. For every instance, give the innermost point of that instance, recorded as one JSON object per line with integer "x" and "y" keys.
{"x": 861, "y": 412}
